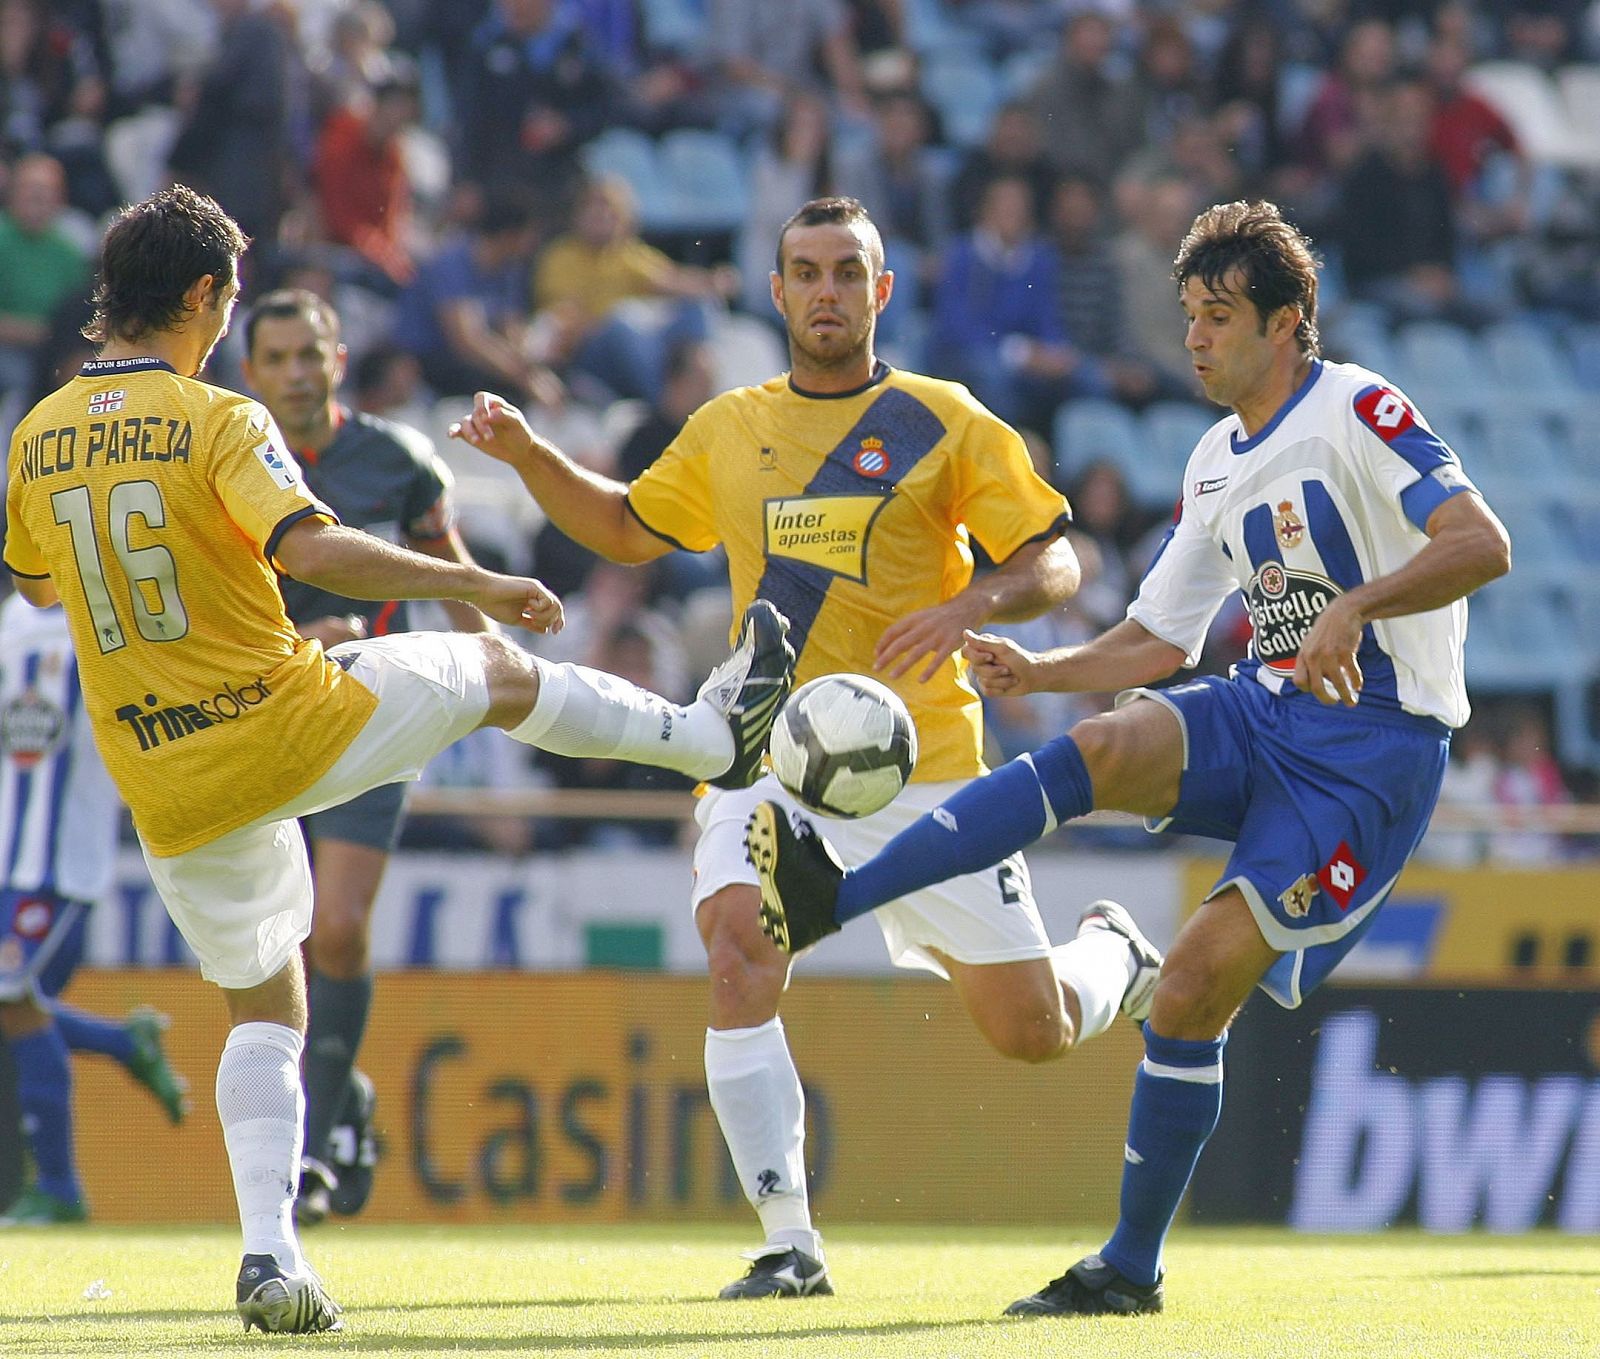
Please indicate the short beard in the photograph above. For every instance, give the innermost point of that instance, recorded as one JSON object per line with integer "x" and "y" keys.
{"x": 843, "y": 359}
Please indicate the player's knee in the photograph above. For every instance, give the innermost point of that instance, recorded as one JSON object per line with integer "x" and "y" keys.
{"x": 512, "y": 677}
{"x": 1028, "y": 1033}
{"x": 340, "y": 942}
{"x": 1103, "y": 745}
{"x": 744, "y": 965}
{"x": 1188, "y": 1002}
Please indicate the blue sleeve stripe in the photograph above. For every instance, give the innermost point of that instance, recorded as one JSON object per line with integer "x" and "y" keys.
{"x": 1420, "y": 499}
{"x": 288, "y": 522}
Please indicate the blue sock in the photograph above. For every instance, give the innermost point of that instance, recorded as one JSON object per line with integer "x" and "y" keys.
{"x": 85, "y": 1032}
{"x": 1171, "y": 1118}
{"x": 987, "y": 820}
{"x": 44, "y": 1090}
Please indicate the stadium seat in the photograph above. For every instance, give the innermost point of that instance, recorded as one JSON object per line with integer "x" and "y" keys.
{"x": 1526, "y": 97}
{"x": 1584, "y": 344}
{"x": 1579, "y": 87}
{"x": 631, "y": 156}
{"x": 1525, "y": 359}
{"x": 1094, "y": 430}
{"x": 1171, "y": 430}
{"x": 1520, "y": 634}
{"x": 1518, "y": 448}
{"x": 705, "y": 180}
{"x": 1538, "y": 540}
{"x": 745, "y": 351}
{"x": 966, "y": 90}
{"x": 1435, "y": 356}
{"x": 1021, "y": 71}
{"x": 673, "y": 25}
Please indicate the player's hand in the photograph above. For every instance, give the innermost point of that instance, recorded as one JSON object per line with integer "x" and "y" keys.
{"x": 1327, "y": 667}
{"x": 520, "y": 602}
{"x": 933, "y": 632}
{"x": 497, "y": 428}
{"x": 1000, "y": 668}
{"x": 334, "y": 628}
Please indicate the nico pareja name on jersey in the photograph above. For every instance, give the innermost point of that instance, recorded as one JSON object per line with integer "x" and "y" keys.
{"x": 132, "y": 438}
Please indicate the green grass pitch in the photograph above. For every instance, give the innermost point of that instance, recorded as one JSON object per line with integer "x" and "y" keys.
{"x": 927, "y": 1292}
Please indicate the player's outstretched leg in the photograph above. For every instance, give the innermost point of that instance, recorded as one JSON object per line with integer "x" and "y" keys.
{"x": 1144, "y": 959}
{"x": 1090, "y": 1288}
{"x": 748, "y": 689}
{"x": 149, "y": 1065}
{"x": 135, "y": 1042}
{"x": 780, "y": 1273}
{"x": 720, "y": 737}
{"x": 279, "y": 1302}
{"x": 799, "y": 876}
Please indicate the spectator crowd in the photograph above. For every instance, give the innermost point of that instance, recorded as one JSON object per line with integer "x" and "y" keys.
{"x": 574, "y": 202}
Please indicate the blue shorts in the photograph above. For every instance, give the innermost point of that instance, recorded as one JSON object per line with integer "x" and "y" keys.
{"x": 1323, "y": 805}
{"x": 373, "y": 819}
{"x": 41, "y": 943}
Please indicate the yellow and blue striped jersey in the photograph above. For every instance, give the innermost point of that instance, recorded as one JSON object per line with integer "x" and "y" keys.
{"x": 851, "y": 511}
{"x": 154, "y": 502}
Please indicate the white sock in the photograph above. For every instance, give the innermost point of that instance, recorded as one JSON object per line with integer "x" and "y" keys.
{"x": 756, "y": 1094}
{"x": 263, "y": 1109}
{"x": 589, "y": 713}
{"x": 1098, "y": 966}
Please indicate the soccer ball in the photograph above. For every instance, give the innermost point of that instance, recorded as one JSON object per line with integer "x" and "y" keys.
{"x": 843, "y": 745}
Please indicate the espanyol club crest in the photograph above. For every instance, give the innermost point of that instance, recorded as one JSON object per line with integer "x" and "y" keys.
{"x": 870, "y": 459}
{"x": 1288, "y": 525}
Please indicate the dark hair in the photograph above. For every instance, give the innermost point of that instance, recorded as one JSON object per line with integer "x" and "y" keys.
{"x": 1274, "y": 258}
{"x": 835, "y": 212}
{"x": 153, "y": 253}
{"x": 287, "y": 302}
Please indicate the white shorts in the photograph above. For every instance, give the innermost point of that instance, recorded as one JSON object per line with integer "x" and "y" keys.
{"x": 243, "y": 901}
{"x": 980, "y": 918}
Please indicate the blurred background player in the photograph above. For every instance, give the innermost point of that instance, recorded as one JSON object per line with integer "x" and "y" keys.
{"x": 58, "y": 845}
{"x": 902, "y": 467}
{"x": 386, "y": 479}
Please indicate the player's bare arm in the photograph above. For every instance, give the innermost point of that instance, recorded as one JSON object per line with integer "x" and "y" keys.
{"x": 354, "y": 564}
{"x": 38, "y": 591}
{"x": 1122, "y": 657}
{"x": 333, "y": 628}
{"x": 1468, "y": 548}
{"x": 450, "y": 548}
{"x": 1036, "y": 577}
{"x": 589, "y": 508}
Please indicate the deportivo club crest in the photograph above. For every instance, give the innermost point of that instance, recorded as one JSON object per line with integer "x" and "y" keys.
{"x": 870, "y": 459}
{"x": 1297, "y": 898}
{"x": 1287, "y": 525}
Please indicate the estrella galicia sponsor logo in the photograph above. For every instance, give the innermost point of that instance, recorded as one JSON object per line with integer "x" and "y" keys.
{"x": 154, "y": 722}
{"x": 1283, "y": 606}
{"x": 1209, "y": 485}
{"x": 31, "y": 728}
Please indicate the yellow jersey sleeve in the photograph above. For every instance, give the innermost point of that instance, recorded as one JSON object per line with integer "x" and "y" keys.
{"x": 1001, "y": 499}
{"x": 257, "y": 478}
{"x": 672, "y": 497}
{"x": 23, "y": 557}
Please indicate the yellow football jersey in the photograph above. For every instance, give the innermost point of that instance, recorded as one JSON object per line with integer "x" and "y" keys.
{"x": 849, "y": 512}
{"x": 154, "y": 503}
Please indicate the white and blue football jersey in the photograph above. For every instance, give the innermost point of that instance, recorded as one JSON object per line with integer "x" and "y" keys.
{"x": 58, "y": 806}
{"x": 1334, "y": 491}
